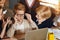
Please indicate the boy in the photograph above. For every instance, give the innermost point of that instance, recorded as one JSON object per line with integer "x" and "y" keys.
{"x": 21, "y": 25}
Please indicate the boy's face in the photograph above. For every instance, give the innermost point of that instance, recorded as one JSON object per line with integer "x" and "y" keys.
{"x": 20, "y": 15}
{"x": 2, "y": 2}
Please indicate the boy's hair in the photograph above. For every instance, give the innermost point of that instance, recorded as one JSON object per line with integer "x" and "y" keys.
{"x": 19, "y": 6}
{"x": 44, "y": 10}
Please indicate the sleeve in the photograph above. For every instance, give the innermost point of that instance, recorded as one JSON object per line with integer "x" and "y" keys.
{"x": 10, "y": 32}
{"x": 33, "y": 25}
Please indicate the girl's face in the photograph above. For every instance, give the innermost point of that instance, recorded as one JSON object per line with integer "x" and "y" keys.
{"x": 40, "y": 18}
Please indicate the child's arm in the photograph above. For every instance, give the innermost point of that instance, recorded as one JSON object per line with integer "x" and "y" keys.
{"x": 3, "y": 31}
{"x": 32, "y": 23}
{"x": 4, "y": 28}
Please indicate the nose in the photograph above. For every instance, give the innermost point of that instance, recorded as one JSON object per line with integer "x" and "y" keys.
{"x": 36, "y": 16}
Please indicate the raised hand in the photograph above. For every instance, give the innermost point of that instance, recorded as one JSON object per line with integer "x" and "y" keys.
{"x": 28, "y": 16}
{"x": 15, "y": 19}
{"x": 8, "y": 20}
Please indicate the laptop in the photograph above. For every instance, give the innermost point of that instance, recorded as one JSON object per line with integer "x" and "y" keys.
{"x": 40, "y": 34}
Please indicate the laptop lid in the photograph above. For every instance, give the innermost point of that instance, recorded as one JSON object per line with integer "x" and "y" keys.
{"x": 39, "y": 34}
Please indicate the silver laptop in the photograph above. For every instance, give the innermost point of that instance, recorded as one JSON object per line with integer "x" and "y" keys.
{"x": 39, "y": 34}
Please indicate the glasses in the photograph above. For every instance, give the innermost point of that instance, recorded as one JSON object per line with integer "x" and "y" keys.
{"x": 21, "y": 15}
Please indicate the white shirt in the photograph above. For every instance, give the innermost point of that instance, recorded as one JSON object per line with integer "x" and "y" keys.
{"x": 19, "y": 27}
{"x": 24, "y": 27}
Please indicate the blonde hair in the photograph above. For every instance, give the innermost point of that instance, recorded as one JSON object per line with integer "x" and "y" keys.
{"x": 55, "y": 12}
{"x": 44, "y": 10}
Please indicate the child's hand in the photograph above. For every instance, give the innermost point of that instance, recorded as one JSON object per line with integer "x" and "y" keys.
{"x": 28, "y": 16}
{"x": 8, "y": 20}
{"x": 15, "y": 19}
